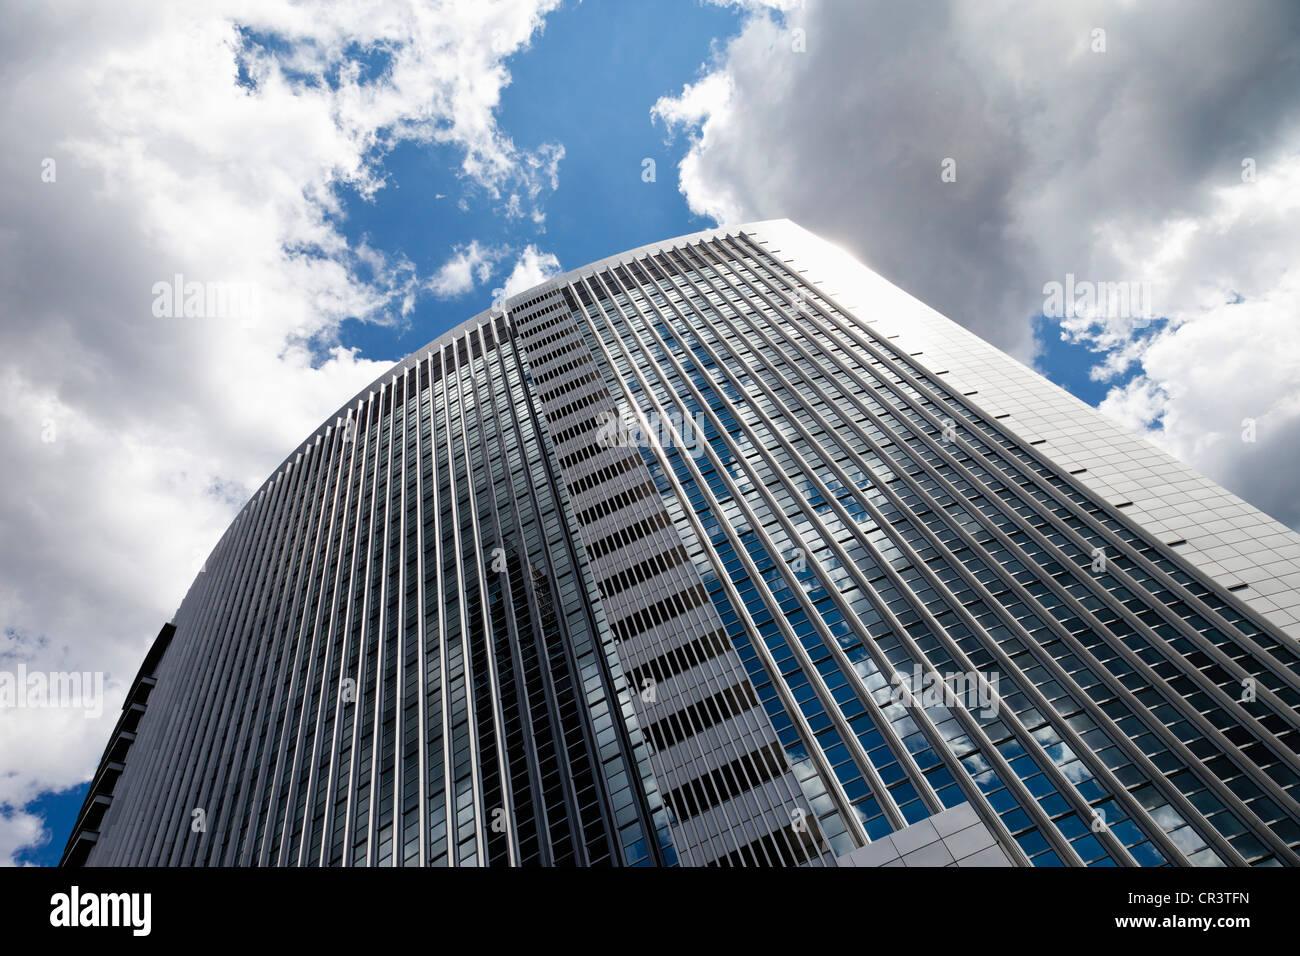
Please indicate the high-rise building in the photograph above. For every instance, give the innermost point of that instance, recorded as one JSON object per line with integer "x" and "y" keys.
{"x": 722, "y": 551}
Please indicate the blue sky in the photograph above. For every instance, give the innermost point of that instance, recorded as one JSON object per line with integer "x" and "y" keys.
{"x": 588, "y": 81}
{"x": 340, "y": 158}
{"x": 59, "y": 809}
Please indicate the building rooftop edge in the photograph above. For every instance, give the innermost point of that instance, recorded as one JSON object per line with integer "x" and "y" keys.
{"x": 551, "y": 283}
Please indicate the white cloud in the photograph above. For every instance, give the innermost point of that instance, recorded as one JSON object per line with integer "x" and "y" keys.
{"x": 19, "y": 830}
{"x": 1220, "y": 384}
{"x": 185, "y": 143}
{"x": 707, "y": 99}
{"x": 1117, "y": 166}
{"x": 531, "y": 268}
{"x": 469, "y": 265}
{"x": 760, "y": 4}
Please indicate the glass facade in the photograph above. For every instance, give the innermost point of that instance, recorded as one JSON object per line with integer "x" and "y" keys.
{"x": 810, "y": 597}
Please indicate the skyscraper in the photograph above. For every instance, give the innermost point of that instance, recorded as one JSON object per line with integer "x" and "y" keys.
{"x": 722, "y": 551}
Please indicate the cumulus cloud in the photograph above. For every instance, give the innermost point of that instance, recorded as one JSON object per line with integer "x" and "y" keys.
{"x": 18, "y": 831}
{"x": 469, "y": 265}
{"x": 760, "y": 4}
{"x": 531, "y": 268}
{"x": 197, "y": 147}
{"x": 1153, "y": 143}
{"x": 1219, "y": 384}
